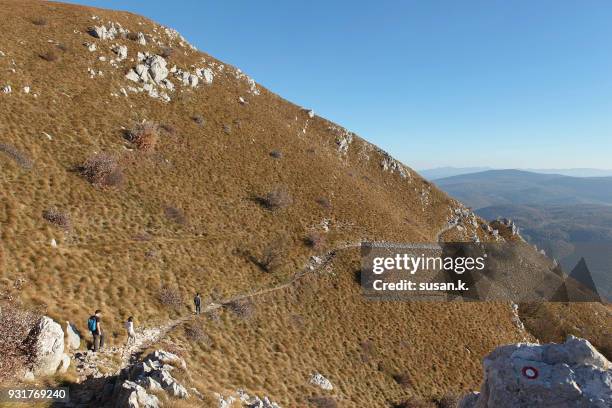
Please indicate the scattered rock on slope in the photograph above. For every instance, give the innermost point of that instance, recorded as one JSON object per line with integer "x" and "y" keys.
{"x": 573, "y": 374}
{"x": 321, "y": 382}
{"x": 72, "y": 338}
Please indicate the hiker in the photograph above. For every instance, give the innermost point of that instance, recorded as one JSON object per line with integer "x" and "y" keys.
{"x": 197, "y": 301}
{"x": 95, "y": 327}
{"x": 129, "y": 326}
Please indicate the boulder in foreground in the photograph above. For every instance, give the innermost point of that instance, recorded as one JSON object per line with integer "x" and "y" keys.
{"x": 572, "y": 374}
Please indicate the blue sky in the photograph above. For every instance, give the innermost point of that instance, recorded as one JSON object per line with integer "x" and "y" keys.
{"x": 435, "y": 83}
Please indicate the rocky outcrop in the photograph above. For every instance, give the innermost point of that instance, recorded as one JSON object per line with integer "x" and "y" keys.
{"x": 152, "y": 375}
{"x": 47, "y": 342}
{"x": 572, "y": 374}
{"x": 133, "y": 395}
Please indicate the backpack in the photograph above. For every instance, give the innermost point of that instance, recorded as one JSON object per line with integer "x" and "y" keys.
{"x": 91, "y": 324}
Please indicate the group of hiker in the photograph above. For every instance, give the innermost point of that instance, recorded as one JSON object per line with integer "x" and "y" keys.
{"x": 94, "y": 325}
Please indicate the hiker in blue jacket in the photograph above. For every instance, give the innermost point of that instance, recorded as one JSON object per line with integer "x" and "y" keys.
{"x": 94, "y": 326}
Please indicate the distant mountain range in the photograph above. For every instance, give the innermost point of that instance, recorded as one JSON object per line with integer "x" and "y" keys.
{"x": 568, "y": 217}
{"x": 517, "y": 187}
{"x": 443, "y": 172}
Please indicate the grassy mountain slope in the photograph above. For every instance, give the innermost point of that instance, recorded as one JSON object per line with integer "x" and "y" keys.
{"x": 188, "y": 216}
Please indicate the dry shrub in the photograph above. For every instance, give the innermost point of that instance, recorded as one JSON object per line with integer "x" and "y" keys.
{"x": 19, "y": 157}
{"x": 15, "y": 344}
{"x": 368, "y": 350}
{"x": 402, "y": 379}
{"x": 322, "y": 401}
{"x": 168, "y": 128}
{"x": 213, "y": 315}
{"x": 198, "y": 119}
{"x": 102, "y": 170}
{"x": 243, "y": 308}
{"x": 170, "y": 297}
{"x": 167, "y": 52}
{"x": 315, "y": 240}
{"x": 276, "y": 199}
{"x": 195, "y": 332}
{"x": 324, "y": 202}
{"x": 57, "y": 218}
{"x": 272, "y": 256}
{"x": 49, "y": 56}
{"x": 39, "y": 21}
{"x": 414, "y": 402}
{"x": 175, "y": 215}
{"x": 449, "y": 400}
{"x": 144, "y": 135}
{"x": 276, "y": 154}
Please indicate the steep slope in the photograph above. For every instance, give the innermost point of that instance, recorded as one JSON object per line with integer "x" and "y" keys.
{"x": 182, "y": 210}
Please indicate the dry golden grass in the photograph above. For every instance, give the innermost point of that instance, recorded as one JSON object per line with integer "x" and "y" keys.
{"x": 209, "y": 173}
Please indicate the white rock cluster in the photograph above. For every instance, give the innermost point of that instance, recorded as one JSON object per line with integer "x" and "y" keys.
{"x": 572, "y": 374}
{"x": 343, "y": 137}
{"x": 113, "y": 31}
{"x": 151, "y": 375}
{"x": 151, "y": 72}
{"x": 391, "y": 165}
{"x": 245, "y": 400}
{"x": 250, "y": 81}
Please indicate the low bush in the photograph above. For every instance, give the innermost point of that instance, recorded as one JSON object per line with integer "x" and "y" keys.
{"x": 449, "y": 400}
{"x": 39, "y": 21}
{"x": 276, "y": 199}
{"x": 167, "y": 52}
{"x": 50, "y": 56}
{"x": 195, "y": 332}
{"x": 175, "y": 215}
{"x": 322, "y": 401}
{"x": 170, "y": 297}
{"x": 102, "y": 170}
{"x": 243, "y": 308}
{"x": 414, "y": 402}
{"x": 144, "y": 135}
{"x": 16, "y": 350}
{"x": 324, "y": 202}
{"x": 16, "y": 155}
{"x": 198, "y": 119}
{"x": 402, "y": 379}
{"x": 271, "y": 257}
{"x": 315, "y": 240}
{"x": 58, "y": 218}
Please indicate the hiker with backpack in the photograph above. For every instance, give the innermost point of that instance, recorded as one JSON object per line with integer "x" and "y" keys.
{"x": 94, "y": 326}
{"x": 197, "y": 301}
{"x": 129, "y": 326}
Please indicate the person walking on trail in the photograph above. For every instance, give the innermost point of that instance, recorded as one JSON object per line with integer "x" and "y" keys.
{"x": 197, "y": 301}
{"x": 95, "y": 327}
{"x": 129, "y": 327}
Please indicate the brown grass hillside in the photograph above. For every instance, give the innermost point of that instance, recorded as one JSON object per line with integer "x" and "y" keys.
{"x": 194, "y": 194}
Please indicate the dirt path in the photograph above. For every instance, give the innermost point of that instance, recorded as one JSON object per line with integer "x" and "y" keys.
{"x": 115, "y": 359}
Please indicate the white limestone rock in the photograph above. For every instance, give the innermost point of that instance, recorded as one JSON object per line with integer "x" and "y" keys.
{"x": 572, "y": 374}
{"x": 321, "y": 382}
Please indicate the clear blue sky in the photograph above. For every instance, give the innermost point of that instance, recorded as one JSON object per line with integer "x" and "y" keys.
{"x": 436, "y": 83}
